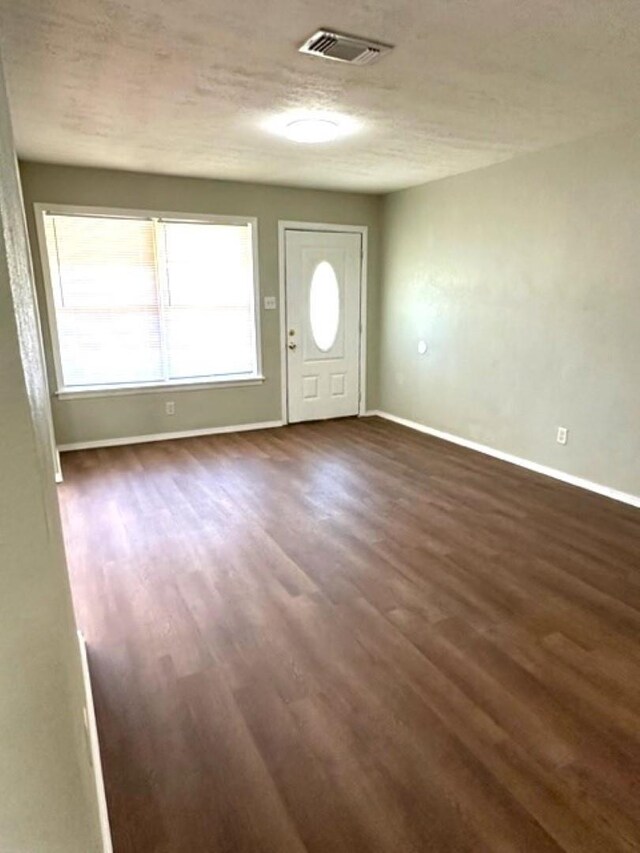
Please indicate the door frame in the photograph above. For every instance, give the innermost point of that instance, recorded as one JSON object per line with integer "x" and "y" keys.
{"x": 288, "y": 225}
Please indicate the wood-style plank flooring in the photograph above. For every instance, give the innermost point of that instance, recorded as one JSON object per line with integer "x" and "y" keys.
{"x": 346, "y": 636}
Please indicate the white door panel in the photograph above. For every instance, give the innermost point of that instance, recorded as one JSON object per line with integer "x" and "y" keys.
{"x": 323, "y": 323}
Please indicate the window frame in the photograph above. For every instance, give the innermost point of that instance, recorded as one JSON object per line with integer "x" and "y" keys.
{"x": 66, "y": 392}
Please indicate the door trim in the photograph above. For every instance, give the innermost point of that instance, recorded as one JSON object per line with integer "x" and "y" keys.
{"x": 363, "y": 230}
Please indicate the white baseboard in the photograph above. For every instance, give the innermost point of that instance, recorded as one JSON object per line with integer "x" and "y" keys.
{"x": 166, "y": 436}
{"x": 614, "y": 494}
{"x": 94, "y": 749}
{"x": 58, "y": 467}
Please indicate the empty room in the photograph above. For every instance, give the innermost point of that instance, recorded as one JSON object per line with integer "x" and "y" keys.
{"x": 319, "y": 426}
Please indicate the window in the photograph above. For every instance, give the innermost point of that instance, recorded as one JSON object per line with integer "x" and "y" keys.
{"x": 147, "y": 300}
{"x": 324, "y": 306}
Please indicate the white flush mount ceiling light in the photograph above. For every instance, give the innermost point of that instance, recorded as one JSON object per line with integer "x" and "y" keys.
{"x": 310, "y": 130}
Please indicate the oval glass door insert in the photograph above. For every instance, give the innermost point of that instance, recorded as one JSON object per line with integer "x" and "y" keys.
{"x": 324, "y": 306}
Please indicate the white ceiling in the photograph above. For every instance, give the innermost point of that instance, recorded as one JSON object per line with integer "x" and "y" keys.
{"x": 185, "y": 86}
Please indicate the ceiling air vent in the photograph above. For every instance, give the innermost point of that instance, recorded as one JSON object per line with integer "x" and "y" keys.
{"x": 343, "y": 48}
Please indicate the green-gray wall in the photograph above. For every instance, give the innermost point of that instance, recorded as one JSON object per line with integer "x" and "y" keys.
{"x": 99, "y": 418}
{"x": 47, "y": 799}
{"x": 524, "y": 280}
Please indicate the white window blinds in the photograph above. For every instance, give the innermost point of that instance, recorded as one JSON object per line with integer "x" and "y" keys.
{"x": 151, "y": 301}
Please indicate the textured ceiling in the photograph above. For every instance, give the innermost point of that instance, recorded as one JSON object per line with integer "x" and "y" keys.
{"x": 186, "y": 86}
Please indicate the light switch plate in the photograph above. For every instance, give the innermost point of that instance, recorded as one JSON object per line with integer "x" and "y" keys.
{"x": 269, "y": 303}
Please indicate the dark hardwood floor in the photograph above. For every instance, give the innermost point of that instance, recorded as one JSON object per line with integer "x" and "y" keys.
{"x": 347, "y": 636}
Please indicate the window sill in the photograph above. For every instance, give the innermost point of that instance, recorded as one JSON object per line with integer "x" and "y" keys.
{"x": 157, "y": 388}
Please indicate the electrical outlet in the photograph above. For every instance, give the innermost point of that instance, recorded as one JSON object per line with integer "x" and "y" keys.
{"x": 270, "y": 303}
{"x": 561, "y": 436}
{"x": 170, "y": 408}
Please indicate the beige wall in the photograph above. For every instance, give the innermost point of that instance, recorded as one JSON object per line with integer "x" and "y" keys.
{"x": 111, "y": 417}
{"x": 524, "y": 279}
{"x": 47, "y": 802}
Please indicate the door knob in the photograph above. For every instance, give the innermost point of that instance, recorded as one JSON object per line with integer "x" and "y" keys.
{"x": 291, "y": 345}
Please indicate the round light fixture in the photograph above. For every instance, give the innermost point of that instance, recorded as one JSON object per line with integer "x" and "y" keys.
{"x": 310, "y": 130}
{"x": 311, "y": 126}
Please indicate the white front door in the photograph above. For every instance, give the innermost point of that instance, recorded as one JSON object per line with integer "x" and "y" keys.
{"x": 323, "y": 323}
